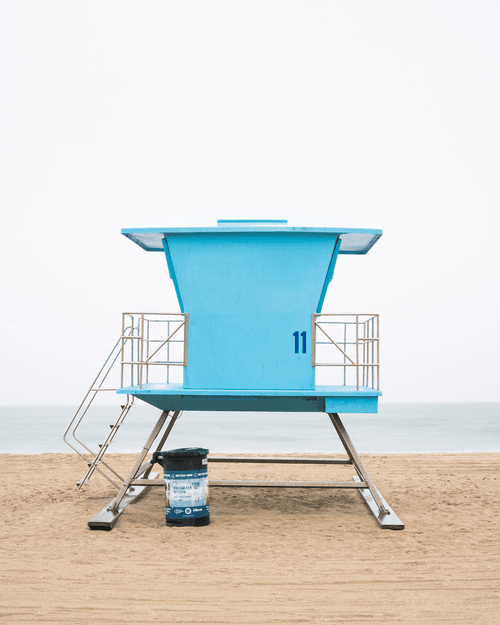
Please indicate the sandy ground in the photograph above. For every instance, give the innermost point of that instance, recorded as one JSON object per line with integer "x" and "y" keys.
{"x": 268, "y": 556}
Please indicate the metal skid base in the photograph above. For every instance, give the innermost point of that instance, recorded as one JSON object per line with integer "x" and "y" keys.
{"x": 388, "y": 521}
{"x": 108, "y": 516}
{"x": 140, "y": 478}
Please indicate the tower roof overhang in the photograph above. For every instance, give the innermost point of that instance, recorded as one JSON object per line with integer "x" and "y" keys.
{"x": 353, "y": 240}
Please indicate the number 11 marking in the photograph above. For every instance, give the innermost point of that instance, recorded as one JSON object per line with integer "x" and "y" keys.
{"x": 304, "y": 343}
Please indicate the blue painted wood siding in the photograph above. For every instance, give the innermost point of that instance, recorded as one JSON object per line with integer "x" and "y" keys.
{"x": 246, "y": 295}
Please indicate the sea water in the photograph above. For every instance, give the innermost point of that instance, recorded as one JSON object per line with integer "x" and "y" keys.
{"x": 397, "y": 428}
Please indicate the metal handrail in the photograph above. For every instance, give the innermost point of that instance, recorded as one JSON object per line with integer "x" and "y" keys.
{"x": 95, "y": 458}
{"x": 140, "y": 357}
{"x": 365, "y": 347}
{"x": 332, "y": 341}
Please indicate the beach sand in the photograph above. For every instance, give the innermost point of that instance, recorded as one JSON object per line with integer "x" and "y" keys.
{"x": 268, "y": 556}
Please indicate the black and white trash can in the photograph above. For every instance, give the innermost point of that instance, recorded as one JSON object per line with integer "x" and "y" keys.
{"x": 186, "y": 485}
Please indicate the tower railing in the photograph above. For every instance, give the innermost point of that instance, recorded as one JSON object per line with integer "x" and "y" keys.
{"x": 350, "y": 342}
{"x": 155, "y": 339}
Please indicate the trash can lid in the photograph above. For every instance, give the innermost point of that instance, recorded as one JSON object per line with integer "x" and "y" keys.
{"x": 184, "y": 452}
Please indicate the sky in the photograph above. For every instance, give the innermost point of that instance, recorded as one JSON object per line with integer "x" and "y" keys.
{"x": 149, "y": 114}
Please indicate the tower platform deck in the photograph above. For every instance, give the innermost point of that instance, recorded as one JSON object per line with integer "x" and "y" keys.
{"x": 343, "y": 399}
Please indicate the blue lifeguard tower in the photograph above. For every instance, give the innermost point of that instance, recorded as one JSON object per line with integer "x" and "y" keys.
{"x": 250, "y": 336}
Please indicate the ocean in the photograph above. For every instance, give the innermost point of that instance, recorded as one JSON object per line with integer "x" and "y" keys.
{"x": 397, "y": 428}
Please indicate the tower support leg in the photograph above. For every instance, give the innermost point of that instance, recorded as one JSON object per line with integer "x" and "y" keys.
{"x": 379, "y": 507}
{"x": 128, "y": 493}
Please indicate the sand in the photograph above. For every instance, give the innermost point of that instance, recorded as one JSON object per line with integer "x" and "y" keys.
{"x": 268, "y": 556}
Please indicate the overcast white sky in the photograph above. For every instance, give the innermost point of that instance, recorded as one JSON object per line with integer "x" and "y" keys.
{"x": 360, "y": 113}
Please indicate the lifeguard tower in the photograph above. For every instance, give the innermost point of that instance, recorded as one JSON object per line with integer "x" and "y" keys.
{"x": 250, "y": 336}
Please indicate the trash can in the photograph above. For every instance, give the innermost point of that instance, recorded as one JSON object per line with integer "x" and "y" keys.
{"x": 186, "y": 485}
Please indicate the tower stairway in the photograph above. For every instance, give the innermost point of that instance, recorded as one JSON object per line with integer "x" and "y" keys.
{"x": 94, "y": 459}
